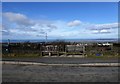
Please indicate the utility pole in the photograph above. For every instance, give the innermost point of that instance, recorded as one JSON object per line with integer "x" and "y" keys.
{"x": 46, "y": 37}
{"x": 8, "y": 41}
{"x": 9, "y": 46}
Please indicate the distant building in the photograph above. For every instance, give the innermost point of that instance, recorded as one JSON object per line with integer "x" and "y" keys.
{"x": 104, "y": 44}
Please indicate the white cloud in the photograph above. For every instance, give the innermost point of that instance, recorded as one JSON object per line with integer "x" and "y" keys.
{"x": 19, "y": 25}
{"x": 103, "y": 28}
{"x": 109, "y": 25}
{"x": 104, "y": 31}
{"x": 52, "y": 26}
{"x": 101, "y": 31}
{"x": 18, "y": 18}
{"x": 95, "y": 31}
{"x": 74, "y": 23}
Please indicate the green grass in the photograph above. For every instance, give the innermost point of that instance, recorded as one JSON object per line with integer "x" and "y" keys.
{"x": 37, "y": 55}
{"x": 70, "y": 53}
{"x": 104, "y": 56}
{"x": 26, "y": 55}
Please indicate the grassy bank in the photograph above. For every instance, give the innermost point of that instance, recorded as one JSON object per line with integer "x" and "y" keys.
{"x": 34, "y": 55}
{"x": 104, "y": 56}
{"x": 28, "y": 55}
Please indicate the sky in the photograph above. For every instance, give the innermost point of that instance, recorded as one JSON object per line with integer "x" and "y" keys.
{"x": 60, "y": 20}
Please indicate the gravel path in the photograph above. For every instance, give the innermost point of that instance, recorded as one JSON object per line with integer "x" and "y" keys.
{"x": 35, "y": 73}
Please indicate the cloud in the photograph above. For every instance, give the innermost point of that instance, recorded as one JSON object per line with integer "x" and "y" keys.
{"x": 74, "y": 23}
{"x": 103, "y": 28}
{"x": 100, "y": 31}
{"x": 52, "y": 26}
{"x": 20, "y": 24}
{"x": 18, "y": 18}
{"x": 105, "y": 31}
{"x": 4, "y": 29}
{"x": 5, "y": 32}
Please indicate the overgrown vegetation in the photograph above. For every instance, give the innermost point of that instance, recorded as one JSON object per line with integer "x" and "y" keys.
{"x": 28, "y": 49}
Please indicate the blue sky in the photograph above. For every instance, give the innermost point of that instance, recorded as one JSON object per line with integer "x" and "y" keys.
{"x": 79, "y": 20}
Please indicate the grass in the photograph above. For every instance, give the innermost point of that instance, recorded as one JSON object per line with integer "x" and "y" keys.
{"x": 26, "y": 55}
{"x": 104, "y": 56}
{"x": 77, "y": 53}
{"x": 37, "y": 55}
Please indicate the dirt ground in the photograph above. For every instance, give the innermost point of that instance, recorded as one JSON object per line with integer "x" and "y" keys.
{"x": 36, "y": 73}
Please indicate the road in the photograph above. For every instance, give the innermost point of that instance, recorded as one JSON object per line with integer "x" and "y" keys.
{"x": 36, "y": 73}
{"x": 62, "y": 60}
